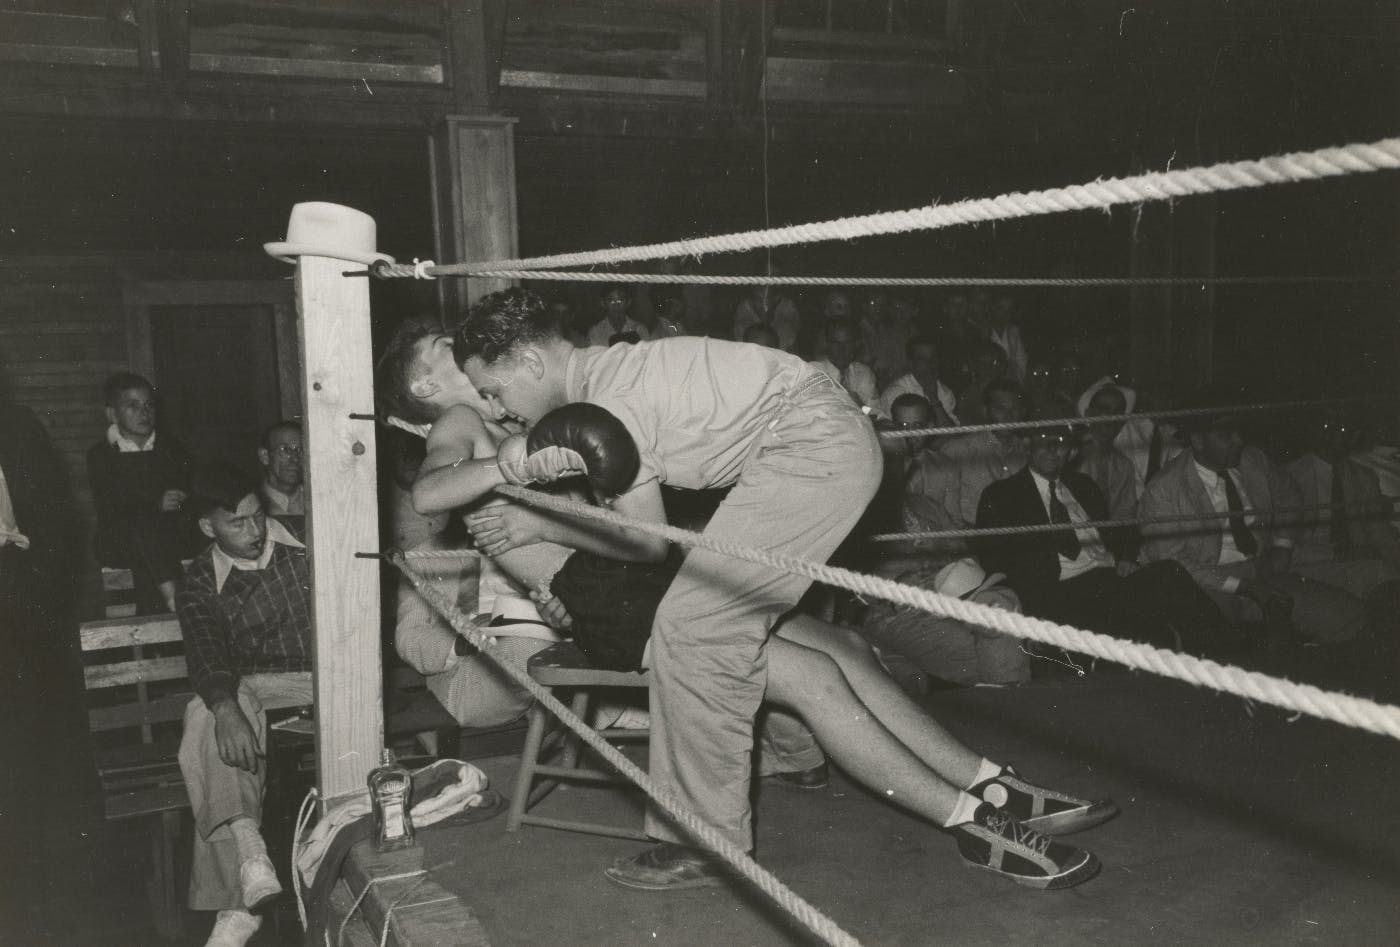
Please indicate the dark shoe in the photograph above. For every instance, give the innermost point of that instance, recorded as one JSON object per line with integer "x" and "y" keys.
{"x": 666, "y": 867}
{"x": 1044, "y": 810}
{"x": 815, "y": 778}
{"x": 993, "y": 841}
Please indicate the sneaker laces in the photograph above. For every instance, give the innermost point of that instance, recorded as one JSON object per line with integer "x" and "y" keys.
{"x": 1023, "y": 835}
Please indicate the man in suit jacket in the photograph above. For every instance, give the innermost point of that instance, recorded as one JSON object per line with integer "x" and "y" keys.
{"x": 1354, "y": 544}
{"x": 34, "y": 567}
{"x": 1245, "y": 562}
{"x": 1081, "y": 576}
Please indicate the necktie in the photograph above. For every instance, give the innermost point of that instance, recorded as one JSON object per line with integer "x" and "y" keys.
{"x": 1154, "y": 452}
{"x": 1066, "y": 541}
{"x": 1244, "y": 539}
{"x": 1340, "y": 534}
{"x": 845, "y": 378}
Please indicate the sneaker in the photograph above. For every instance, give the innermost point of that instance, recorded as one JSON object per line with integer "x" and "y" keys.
{"x": 258, "y": 879}
{"x": 666, "y": 867}
{"x": 994, "y": 841}
{"x": 1044, "y": 810}
{"x": 818, "y": 777}
{"x": 233, "y": 929}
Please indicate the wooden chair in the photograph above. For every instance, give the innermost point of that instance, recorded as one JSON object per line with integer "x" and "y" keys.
{"x": 564, "y": 666}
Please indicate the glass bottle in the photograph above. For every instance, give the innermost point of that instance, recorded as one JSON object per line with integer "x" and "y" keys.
{"x": 391, "y": 795}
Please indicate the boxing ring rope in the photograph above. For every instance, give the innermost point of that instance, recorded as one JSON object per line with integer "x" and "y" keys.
{"x": 1352, "y": 711}
{"x": 1165, "y": 414}
{"x": 810, "y": 917}
{"x": 1357, "y": 158}
{"x": 601, "y": 276}
{"x": 973, "y": 532}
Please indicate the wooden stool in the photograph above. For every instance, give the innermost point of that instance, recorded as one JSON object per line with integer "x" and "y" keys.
{"x": 564, "y": 665}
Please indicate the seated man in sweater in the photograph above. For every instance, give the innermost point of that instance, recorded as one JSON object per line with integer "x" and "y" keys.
{"x": 139, "y": 482}
{"x": 245, "y": 612}
{"x": 1081, "y": 576}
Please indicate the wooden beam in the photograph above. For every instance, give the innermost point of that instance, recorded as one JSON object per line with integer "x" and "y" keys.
{"x": 174, "y": 39}
{"x": 475, "y": 186}
{"x": 467, "y": 30}
{"x": 333, "y": 315}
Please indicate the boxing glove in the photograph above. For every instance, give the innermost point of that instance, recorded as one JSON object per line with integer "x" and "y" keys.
{"x": 586, "y": 435}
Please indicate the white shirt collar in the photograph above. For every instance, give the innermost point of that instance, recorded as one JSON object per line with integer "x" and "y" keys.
{"x": 126, "y": 445}
{"x": 281, "y": 503}
{"x": 224, "y": 563}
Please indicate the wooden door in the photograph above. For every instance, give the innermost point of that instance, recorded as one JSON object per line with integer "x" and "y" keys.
{"x": 223, "y": 356}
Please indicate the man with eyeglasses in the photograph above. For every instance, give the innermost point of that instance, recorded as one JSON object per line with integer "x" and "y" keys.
{"x": 280, "y": 456}
{"x": 1080, "y": 575}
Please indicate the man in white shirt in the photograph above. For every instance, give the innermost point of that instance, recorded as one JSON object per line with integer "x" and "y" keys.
{"x": 840, "y": 364}
{"x": 921, "y": 379}
{"x": 617, "y": 323}
{"x": 1242, "y": 552}
{"x": 280, "y": 457}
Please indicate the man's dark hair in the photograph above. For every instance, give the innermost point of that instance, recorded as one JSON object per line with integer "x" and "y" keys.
{"x": 397, "y": 369}
{"x": 271, "y": 429}
{"x": 123, "y": 381}
{"x": 499, "y": 323}
{"x": 218, "y": 487}
{"x": 834, "y": 324}
{"x": 911, "y": 400}
{"x": 1004, "y": 385}
{"x": 918, "y": 341}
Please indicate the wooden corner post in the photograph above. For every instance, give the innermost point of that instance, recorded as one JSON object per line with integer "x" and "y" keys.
{"x": 342, "y": 513}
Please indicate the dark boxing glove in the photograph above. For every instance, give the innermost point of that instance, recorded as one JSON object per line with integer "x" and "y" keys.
{"x": 592, "y": 435}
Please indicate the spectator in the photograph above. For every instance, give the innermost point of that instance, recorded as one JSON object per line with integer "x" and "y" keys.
{"x": 840, "y": 364}
{"x": 245, "y": 612}
{"x": 139, "y": 481}
{"x": 836, "y": 307}
{"x": 34, "y": 553}
{"x": 764, "y": 305}
{"x": 1141, "y": 440}
{"x": 922, "y": 379}
{"x": 1357, "y": 534}
{"x": 1067, "y": 376}
{"x": 1245, "y": 560}
{"x": 280, "y": 456}
{"x": 1083, "y": 576}
{"x": 1038, "y": 384}
{"x": 988, "y": 456}
{"x": 759, "y": 334}
{"x": 885, "y": 333}
{"x": 668, "y": 319}
{"x": 565, "y": 317}
{"x": 617, "y": 324}
{"x": 1002, "y": 331}
{"x": 1100, "y": 460}
{"x": 986, "y": 364}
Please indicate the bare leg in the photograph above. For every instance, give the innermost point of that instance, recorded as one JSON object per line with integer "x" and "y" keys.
{"x": 811, "y": 683}
{"x": 935, "y": 747}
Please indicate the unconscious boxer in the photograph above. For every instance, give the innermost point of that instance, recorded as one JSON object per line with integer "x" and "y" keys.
{"x": 824, "y": 672}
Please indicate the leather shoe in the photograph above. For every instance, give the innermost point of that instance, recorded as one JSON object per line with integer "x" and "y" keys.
{"x": 666, "y": 867}
{"x": 815, "y": 778}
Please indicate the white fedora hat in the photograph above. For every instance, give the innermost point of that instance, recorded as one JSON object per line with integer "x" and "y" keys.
{"x": 317, "y": 228}
{"x": 964, "y": 579}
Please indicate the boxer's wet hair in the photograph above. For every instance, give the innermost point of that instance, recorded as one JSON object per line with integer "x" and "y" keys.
{"x": 500, "y": 323}
{"x": 398, "y": 368}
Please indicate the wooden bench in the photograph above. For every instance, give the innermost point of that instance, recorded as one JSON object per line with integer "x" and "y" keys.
{"x": 138, "y": 686}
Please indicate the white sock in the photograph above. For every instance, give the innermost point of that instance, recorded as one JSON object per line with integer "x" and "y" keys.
{"x": 964, "y": 810}
{"x": 985, "y": 770}
{"x": 247, "y": 838}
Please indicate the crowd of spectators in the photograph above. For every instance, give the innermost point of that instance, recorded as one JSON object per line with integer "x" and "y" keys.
{"x": 1227, "y": 577}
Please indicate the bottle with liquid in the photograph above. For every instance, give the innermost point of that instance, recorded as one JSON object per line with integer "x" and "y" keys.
{"x": 391, "y": 794}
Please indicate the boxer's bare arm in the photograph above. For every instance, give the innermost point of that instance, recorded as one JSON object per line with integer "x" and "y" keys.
{"x": 460, "y": 466}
